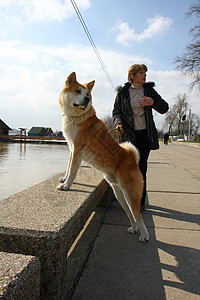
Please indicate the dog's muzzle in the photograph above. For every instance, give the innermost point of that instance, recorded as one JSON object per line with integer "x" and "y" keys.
{"x": 84, "y": 104}
{"x": 86, "y": 101}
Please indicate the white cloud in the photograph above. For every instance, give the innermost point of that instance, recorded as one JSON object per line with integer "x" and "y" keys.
{"x": 7, "y": 3}
{"x": 45, "y": 10}
{"x": 20, "y": 53}
{"x": 156, "y": 25}
{"x": 38, "y": 11}
{"x": 3, "y": 33}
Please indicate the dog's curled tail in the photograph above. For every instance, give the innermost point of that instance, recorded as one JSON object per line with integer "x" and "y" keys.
{"x": 129, "y": 147}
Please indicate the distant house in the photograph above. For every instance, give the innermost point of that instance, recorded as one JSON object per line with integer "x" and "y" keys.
{"x": 40, "y": 131}
{"x": 59, "y": 134}
{"x": 4, "y": 129}
{"x": 37, "y": 131}
{"x": 49, "y": 131}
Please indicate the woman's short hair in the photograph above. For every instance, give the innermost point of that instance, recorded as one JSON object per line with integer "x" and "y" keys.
{"x": 134, "y": 69}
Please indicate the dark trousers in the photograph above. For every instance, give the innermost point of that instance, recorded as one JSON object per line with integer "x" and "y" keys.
{"x": 143, "y": 145}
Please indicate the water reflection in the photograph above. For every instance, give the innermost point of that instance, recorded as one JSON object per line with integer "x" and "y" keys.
{"x": 23, "y": 149}
{"x": 23, "y": 165}
{"x": 3, "y": 150}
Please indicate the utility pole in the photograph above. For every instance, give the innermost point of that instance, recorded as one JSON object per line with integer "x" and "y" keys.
{"x": 189, "y": 125}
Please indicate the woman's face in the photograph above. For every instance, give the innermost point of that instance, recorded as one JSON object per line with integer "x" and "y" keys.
{"x": 139, "y": 78}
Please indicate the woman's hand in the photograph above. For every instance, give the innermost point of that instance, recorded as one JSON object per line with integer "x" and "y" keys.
{"x": 147, "y": 101}
{"x": 119, "y": 128}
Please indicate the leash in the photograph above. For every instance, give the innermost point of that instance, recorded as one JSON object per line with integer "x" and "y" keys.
{"x": 120, "y": 134}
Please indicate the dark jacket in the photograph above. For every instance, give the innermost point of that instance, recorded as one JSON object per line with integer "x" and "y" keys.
{"x": 123, "y": 114}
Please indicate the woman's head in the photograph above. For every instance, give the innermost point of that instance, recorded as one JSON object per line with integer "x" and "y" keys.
{"x": 137, "y": 74}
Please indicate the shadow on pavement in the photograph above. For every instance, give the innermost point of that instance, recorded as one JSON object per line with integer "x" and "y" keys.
{"x": 109, "y": 263}
{"x": 117, "y": 265}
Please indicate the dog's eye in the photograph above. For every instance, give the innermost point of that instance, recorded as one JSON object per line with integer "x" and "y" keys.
{"x": 78, "y": 92}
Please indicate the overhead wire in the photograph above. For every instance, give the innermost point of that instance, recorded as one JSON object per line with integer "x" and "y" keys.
{"x": 92, "y": 42}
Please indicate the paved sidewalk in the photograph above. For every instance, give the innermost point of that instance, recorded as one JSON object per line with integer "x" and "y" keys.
{"x": 115, "y": 265}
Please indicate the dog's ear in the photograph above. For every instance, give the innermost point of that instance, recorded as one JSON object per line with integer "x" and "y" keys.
{"x": 71, "y": 78}
{"x": 90, "y": 85}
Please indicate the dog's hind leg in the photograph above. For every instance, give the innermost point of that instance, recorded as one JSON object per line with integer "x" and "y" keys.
{"x": 134, "y": 204}
{"x": 120, "y": 197}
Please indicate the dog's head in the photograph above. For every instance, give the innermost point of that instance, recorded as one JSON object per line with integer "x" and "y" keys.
{"x": 76, "y": 98}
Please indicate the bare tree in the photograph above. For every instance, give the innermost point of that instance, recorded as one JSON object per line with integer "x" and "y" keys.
{"x": 189, "y": 62}
{"x": 176, "y": 119}
{"x": 195, "y": 123}
{"x": 175, "y": 115}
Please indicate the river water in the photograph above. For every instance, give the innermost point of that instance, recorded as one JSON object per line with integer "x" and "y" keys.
{"x": 24, "y": 165}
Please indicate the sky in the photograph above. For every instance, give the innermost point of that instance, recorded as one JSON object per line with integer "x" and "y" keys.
{"x": 42, "y": 42}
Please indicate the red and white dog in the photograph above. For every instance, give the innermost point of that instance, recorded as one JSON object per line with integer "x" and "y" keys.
{"x": 89, "y": 140}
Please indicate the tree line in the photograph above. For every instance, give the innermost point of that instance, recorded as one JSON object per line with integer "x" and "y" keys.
{"x": 180, "y": 120}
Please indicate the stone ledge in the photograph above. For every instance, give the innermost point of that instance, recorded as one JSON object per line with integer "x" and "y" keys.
{"x": 44, "y": 222}
{"x": 19, "y": 277}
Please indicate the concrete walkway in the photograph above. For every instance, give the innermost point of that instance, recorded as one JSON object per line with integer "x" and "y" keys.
{"x": 112, "y": 264}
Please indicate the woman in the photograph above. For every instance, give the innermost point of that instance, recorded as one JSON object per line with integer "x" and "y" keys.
{"x": 132, "y": 113}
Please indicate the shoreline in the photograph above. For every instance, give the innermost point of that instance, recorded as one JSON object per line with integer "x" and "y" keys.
{"x": 32, "y": 139}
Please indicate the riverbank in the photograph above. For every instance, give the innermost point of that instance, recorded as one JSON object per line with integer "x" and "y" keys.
{"x": 33, "y": 139}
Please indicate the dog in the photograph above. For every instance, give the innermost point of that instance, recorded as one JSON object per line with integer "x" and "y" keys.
{"x": 89, "y": 140}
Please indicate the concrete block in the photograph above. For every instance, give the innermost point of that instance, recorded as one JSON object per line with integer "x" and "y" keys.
{"x": 19, "y": 277}
{"x": 43, "y": 221}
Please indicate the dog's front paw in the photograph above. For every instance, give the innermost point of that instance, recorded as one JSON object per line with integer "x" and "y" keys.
{"x": 62, "y": 179}
{"x": 63, "y": 187}
{"x": 60, "y": 187}
{"x": 144, "y": 238}
{"x": 132, "y": 229}
{"x": 66, "y": 187}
